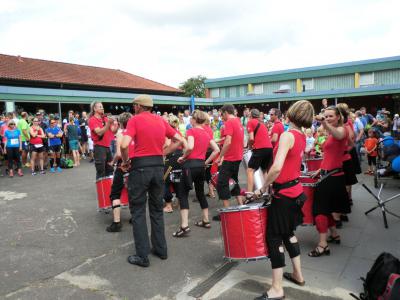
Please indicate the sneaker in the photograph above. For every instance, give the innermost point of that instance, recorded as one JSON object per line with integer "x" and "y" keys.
{"x": 28, "y": 165}
{"x": 34, "y": 173}
{"x": 52, "y": 170}
{"x": 42, "y": 172}
{"x": 114, "y": 227}
{"x": 59, "y": 170}
{"x": 11, "y": 173}
{"x": 139, "y": 261}
{"x": 83, "y": 156}
{"x": 20, "y": 174}
{"x": 92, "y": 160}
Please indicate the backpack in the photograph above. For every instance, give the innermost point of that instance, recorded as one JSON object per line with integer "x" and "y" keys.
{"x": 392, "y": 290}
{"x": 66, "y": 163}
{"x": 378, "y": 276}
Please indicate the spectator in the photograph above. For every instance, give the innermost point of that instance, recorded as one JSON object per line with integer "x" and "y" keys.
{"x": 371, "y": 145}
{"x": 277, "y": 128}
{"x": 54, "y": 134}
{"x": 320, "y": 140}
{"x": 36, "y": 140}
{"x": 186, "y": 117}
{"x": 182, "y": 124}
{"x": 359, "y": 132}
{"x": 396, "y": 126}
{"x": 13, "y": 148}
{"x": 310, "y": 140}
{"x": 72, "y": 132}
{"x": 24, "y": 129}
{"x": 83, "y": 125}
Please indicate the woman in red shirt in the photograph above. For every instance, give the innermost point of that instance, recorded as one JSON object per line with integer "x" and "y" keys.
{"x": 330, "y": 196}
{"x": 193, "y": 162}
{"x": 37, "y": 148}
{"x": 284, "y": 214}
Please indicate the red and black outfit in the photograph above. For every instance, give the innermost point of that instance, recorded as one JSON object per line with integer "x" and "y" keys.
{"x": 330, "y": 195}
{"x": 285, "y": 214}
{"x": 277, "y": 128}
{"x": 146, "y": 182}
{"x": 262, "y": 148}
{"x": 36, "y": 143}
{"x": 172, "y": 161}
{"x": 348, "y": 162}
{"x": 208, "y": 153}
{"x": 193, "y": 171}
{"x": 102, "y": 152}
{"x": 232, "y": 158}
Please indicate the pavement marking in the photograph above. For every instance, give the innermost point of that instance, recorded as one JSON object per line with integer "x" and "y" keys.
{"x": 10, "y": 195}
{"x": 62, "y": 225}
{"x": 85, "y": 282}
{"x": 236, "y": 276}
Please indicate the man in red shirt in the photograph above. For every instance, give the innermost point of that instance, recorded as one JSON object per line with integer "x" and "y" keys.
{"x": 261, "y": 147}
{"x": 277, "y": 128}
{"x": 102, "y": 133}
{"x": 231, "y": 155}
{"x": 149, "y": 133}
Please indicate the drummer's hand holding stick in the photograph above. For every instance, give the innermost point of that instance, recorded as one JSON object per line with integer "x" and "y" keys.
{"x": 315, "y": 174}
{"x": 215, "y": 149}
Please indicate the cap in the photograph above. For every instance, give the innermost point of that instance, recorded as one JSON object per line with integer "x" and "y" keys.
{"x": 396, "y": 115}
{"x": 144, "y": 100}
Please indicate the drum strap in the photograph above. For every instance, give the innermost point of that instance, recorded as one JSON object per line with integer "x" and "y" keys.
{"x": 326, "y": 173}
{"x": 280, "y": 186}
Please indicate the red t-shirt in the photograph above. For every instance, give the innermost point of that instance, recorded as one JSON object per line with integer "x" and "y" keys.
{"x": 369, "y": 144}
{"x": 332, "y": 152}
{"x": 349, "y": 128}
{"x": 279, "y": 129}
{"x": 261, "y": 138}
{"x": 107, "y": 137}
{"x": 209, "y": 130}
{"x": 148, "y": 132}
{"x": 292, "y": 165}
{"x": 201, "y": 143}
{"x": 234, "y": 128}
{"x": 131, "y": 148}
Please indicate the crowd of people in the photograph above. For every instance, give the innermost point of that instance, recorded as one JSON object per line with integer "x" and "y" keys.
{"x": 165, "y": 153}
{"x": 38, "y": 141}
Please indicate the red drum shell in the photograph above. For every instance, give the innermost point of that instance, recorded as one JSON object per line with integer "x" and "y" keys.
{"x": 103, "y": 187}
{"x": 308, "y": 184}
{"x": 244, "y": 232}
{"x": 214, "y": 181}
{"x": 313, "y": 164}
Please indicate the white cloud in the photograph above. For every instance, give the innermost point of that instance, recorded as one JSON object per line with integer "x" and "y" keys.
{"x": 169, "y": 41}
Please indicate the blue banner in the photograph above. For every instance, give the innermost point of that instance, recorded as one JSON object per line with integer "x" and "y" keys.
{"x": 192, "y": 103}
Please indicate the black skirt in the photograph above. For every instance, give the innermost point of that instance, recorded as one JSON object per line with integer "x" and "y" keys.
{"x": 349, "y": 172}
{"x": 330, "y": 196}
{"x": 356, "y": 161}
{"x": 284, "y": 215}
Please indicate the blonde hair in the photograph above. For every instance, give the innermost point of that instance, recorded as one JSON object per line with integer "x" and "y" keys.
{"x": 338, "y": 113}
{"x": 124, "y": 118}
{"x": 173, "y": 121}
{"x": 200, "y": 116}
{"x": 301, "y": 113}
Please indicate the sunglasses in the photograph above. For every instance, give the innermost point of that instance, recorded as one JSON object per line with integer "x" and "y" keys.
{"x": 11, "y": 124}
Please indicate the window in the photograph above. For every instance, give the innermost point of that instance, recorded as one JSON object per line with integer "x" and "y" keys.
{"x": 215, "y": 93}
{"x": 258, "y": 89}
{"x": 308, "y": 84}
{"x": 366, "y": 79}
{"x": 232, "y": 91}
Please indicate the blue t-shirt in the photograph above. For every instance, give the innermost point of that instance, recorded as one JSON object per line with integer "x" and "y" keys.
{"x": 12, "y": 137}
{"x": 56, "y": 140}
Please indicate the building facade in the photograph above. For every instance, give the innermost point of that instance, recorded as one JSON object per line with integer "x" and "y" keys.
{"x": 372, "y": 83}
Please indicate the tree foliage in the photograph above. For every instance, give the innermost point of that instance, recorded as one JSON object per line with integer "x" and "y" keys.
{"x": 194, "y": 86}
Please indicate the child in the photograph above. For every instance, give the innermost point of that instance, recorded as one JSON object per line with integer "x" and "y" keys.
{"x": 371, "y": 144}
{"x": 309, "y": 141}
{"x": 319, "y": 141}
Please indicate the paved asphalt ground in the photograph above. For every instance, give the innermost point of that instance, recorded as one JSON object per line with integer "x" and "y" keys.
{"x": 53, "y": 245}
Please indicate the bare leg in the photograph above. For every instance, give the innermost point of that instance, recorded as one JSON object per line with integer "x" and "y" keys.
{"x": 33, "y": 160}
{"x": 250, "y": 179}
{"x": 226, "y": 203}
{"x": 41, "y": 162}
{"x": 205, "y": 214}
{"x": 211, "y": 190}
{"x": 296, "y": 263}
{"x": 117, "y": 211}
{"x": 184, "y": 218}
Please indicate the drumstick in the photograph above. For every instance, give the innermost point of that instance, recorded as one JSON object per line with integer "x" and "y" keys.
{"x": 167, "y": 172}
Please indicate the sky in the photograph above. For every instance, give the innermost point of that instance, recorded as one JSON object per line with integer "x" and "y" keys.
{"x": 170, "y": 41}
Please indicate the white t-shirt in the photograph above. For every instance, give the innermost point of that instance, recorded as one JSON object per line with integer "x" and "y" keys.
{"x": 309, "y": 143}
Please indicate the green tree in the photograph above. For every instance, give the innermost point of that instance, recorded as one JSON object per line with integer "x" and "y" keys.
{"x": 194, "y": 86}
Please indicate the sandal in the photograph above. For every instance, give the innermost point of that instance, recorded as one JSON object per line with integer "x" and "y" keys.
{"x": 289, "y": 276}
{"x": 203, "y": 224}
{"x": 181, "y": 232}
{"x": 317, "y": 253}
{"x": 210, "y": 196}
{"x": 334, "y": 239}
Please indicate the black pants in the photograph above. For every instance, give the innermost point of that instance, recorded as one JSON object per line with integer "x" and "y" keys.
{"x": 117, "y": 185}
{"x": 275, "y": 245}
{"x": 197, "y": 175}
{"x": 228, "y": 170}
{"x": 13, "y": 155}
{"x": 142, "y": 182}
{"x": 102, "y": 158}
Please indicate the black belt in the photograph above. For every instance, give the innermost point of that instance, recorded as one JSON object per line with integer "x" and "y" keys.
{"x": 280, "y": 186}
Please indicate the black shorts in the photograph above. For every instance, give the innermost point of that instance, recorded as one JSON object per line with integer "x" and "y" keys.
{"x": 55, "y": 149}
{"x": 228, "y": 170}
{"x": 117, "y": 185}
{"x": 371, "y": 160}
{"x": 261, "y": 158}
{"x": 36, "y": 149}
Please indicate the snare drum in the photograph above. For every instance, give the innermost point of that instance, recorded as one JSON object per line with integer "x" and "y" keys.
{"x": 103, "y": 187}
{"x": 308, "y": 184}
{"x": 244, "y": 232}
{"x": 313, "y": 164}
